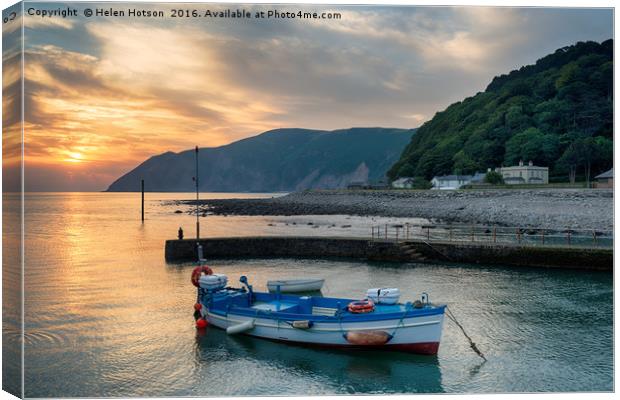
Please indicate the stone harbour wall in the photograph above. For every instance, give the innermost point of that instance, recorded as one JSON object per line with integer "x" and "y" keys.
{"x": 404, "y": 251}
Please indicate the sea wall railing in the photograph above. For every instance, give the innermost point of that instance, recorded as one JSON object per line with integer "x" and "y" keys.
{"x": 494, "y": 234}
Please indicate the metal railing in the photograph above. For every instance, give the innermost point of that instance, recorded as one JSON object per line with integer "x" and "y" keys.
{"x": 494, "y": 234}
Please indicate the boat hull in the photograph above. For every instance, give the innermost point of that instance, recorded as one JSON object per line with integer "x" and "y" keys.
{"x": 431, "y": 348}
{"x": 418, "y": 334}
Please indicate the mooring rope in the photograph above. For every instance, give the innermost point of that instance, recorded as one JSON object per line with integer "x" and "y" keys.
{"x": 339, "y": 315}
{"x": 473, "y": 346}
{"x": 400, "y": 322}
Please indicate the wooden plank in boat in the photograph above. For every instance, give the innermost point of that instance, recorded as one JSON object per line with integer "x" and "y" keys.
{"x": 329, "y": 312}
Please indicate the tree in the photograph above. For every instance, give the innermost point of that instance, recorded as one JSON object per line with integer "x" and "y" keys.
{"x": 605, "y": 154}
{"x": 516, "y": 120}
{"x": 587, "y": 150}
{"x": 534, "y": 113}
{"x": 463, "y": 164}
{"x": 420, "y": 183}
{"x": 523, "y": 146}
{"x": 406, "y": 170}
{"x": 494, "y": 178}
{"x": 568, "y": 75}
{"x": 569, "y": 161}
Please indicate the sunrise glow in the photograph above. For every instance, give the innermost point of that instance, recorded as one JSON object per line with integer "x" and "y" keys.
{"x": 74, "y": 158}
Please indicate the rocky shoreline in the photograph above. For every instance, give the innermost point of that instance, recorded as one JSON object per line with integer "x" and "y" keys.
{"x": 541, "y": 208}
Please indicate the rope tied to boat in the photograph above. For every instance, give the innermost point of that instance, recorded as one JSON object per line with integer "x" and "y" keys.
{"x": 473, "y": 346}
{"x": 400, "y": 321}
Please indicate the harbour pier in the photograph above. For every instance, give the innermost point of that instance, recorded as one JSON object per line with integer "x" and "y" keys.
{"x": 403, "y": 250}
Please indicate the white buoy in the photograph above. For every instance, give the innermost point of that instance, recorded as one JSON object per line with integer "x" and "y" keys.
{"x": 242, "y": 327}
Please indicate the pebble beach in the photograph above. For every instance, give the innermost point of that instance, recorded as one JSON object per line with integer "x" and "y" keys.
{"x": 541, "y": 208}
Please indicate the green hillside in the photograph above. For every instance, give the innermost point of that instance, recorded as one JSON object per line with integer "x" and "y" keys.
{"x": 557, "y": 113}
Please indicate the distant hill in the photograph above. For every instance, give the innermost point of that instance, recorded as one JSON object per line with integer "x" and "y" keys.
{"x": 557, "y": 113}
{"x": 277, "y": 160}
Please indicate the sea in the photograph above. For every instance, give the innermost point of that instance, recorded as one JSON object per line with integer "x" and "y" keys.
{"x": 106, "y": 315}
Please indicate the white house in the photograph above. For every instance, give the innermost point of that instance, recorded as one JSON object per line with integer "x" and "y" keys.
{"x": 450, "y": 182}
{"x": 524, "y": 174}
{"x": 403, "y": 183}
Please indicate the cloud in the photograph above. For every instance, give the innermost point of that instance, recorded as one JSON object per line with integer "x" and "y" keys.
{"x": 149, "y": 87}
{"x": 37, "y": 22}
{"x": 11, "y": 106}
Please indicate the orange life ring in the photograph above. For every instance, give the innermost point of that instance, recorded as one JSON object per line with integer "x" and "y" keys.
{"x": 361, "y": 306}
{"x": 199, "y": 271}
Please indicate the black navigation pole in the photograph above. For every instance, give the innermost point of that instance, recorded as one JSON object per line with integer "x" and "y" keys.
{"x": 142, "y": 185}
{"x": 197, "y": 198}
{"x": 198, "y": 246}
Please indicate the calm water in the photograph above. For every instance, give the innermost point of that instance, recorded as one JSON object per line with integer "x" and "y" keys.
{"x": 106, "y": 316}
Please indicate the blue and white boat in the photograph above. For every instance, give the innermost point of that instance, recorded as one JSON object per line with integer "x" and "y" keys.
{"x": 322, "y": 321}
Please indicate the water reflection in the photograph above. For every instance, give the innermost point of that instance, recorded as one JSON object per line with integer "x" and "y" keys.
{"x": 344, "y": 370}
{"x": 12, "y": 306}
{"x": 106, "y": 316}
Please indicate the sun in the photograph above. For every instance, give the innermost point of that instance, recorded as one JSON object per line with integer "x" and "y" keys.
{"x": 74, "y": 157}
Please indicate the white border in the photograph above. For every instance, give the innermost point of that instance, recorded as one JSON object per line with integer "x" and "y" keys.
{"x": 507, "y": 3}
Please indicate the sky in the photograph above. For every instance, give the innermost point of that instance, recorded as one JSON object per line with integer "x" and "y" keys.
{"x": 102, "y": 94}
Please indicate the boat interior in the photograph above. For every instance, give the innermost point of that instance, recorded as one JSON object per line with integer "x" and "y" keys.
{"x": 291, "y": 304}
